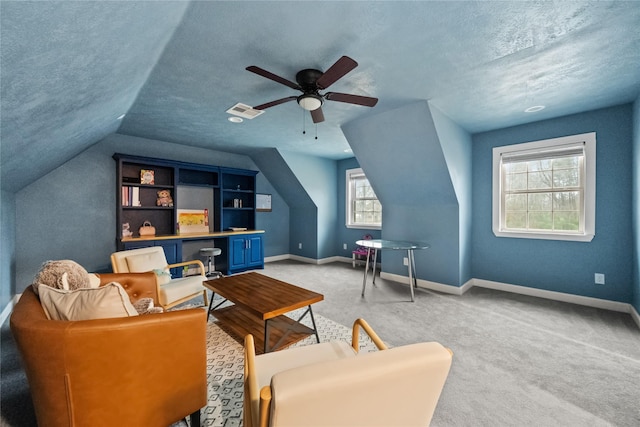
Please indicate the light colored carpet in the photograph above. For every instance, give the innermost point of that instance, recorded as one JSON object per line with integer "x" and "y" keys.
{"x": 518, "y": 360}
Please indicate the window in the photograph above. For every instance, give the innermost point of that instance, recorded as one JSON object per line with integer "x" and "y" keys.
{"x": 362, "y": 206}
{"x": 546, "y": 189}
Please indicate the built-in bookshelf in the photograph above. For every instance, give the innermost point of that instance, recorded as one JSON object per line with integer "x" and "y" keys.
{"x": 147, "y": 192}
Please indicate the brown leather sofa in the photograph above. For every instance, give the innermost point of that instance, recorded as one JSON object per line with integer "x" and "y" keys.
{"x": 147, "y": 370}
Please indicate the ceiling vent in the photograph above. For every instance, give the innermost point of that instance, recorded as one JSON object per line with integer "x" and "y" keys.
{"x": 244, "y": 110}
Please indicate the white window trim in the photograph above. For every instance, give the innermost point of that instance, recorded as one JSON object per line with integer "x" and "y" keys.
{"x": 587, "y": 235}
{"x": 348, "y": 206}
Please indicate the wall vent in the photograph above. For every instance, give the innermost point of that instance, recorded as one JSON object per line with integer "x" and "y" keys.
{"x": 244, "y": 110}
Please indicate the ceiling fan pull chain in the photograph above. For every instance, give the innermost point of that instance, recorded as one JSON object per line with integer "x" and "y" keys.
{"x": 303, "y": 123}
{"x": 316, "y": 131}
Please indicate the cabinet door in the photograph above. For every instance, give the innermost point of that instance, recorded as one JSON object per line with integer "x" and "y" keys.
{"x": 237, "y": 252}
{"x": 254, "y": 252}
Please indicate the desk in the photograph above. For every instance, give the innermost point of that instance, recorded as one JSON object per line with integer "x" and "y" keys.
{"x": 380, "y": 244}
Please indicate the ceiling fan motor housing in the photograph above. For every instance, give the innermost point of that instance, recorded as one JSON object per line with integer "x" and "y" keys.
{"x": 307, "y": 80}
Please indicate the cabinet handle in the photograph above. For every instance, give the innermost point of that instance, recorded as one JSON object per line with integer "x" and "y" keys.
{"x": 248, "y": 244}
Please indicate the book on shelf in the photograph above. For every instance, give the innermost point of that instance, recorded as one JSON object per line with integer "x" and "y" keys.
{"x": 130, "y": 196}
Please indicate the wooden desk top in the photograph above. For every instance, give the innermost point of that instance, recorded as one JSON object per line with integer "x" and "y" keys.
{"x": 262, "y": 295}
{"x": 190, "y": 236}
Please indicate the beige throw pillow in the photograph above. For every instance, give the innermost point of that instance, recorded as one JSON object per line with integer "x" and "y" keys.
{"x": 108, "y": 301}
{"x": 142, "y": 263}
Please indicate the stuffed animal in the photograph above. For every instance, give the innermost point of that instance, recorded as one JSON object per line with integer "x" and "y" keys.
{"x": 126, "y": 230}
{"x": 64, "y": 274}
{"x": 69, "y": 275}
{"x": 164, "y": 198}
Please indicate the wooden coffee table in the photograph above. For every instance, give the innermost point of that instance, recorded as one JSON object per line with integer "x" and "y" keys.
{"x": 260, "y": 303}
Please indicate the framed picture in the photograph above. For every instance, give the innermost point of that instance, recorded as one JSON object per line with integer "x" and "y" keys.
{"x": 263, "y": 202}
{"x": 147, "y": 176}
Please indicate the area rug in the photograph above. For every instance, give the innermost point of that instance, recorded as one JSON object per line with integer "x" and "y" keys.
{"x": 225, "y": 365}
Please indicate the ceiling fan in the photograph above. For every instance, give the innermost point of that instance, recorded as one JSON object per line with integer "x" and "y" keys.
{"x": 310, "y": 82}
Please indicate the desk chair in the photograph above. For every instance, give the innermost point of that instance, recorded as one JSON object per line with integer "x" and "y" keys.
{"x": 209, "y": 253}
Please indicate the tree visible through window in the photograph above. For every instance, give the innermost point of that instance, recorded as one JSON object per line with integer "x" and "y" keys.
{"x": 363, "y": 207}
{"x": 546, "y": 189}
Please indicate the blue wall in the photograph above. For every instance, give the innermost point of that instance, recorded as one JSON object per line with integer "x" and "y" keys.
{"x": 70, "y": 212}
{"x": 636, "y": 205}
{"x": 402, "y": 154}
{"x": 318, "y": 176}
{"x": 456, "y": 146}
{"x": 559, "y": 265}
{"x": 7, "y": 247}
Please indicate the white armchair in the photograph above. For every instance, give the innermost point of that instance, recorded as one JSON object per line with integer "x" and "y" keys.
{"x": 170, "y": 292}
{"x": 330, "y": 384}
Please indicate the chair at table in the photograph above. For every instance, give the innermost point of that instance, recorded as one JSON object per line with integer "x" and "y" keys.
{"x": 361, "y": 252}
{"x": 330, "y": 384}
{"x": 170, "y": 292}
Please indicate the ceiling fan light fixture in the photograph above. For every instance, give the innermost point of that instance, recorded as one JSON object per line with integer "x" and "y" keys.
{"x": 310, "y": 102}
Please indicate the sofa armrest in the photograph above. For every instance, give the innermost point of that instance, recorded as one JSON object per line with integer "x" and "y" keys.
{"x": 137, "y": 285}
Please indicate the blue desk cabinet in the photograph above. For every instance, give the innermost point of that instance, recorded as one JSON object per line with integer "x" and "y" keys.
{"x": 245, "y": 252}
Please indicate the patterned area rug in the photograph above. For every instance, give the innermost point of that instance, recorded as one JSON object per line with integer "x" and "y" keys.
{"x": 225, "y": 365}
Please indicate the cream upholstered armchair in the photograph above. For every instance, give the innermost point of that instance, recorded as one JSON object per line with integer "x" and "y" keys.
{"x": 170, "y": 292}
{"x": 330, "y": 384}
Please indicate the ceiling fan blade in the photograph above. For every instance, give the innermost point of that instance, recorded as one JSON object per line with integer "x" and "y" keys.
{"x": 317, "y": 115}
{"x": 274, "y": 103}
{"x": 336, "y": 71}
{"x": 264, "y": 73}
{"x": 351, "y": 99}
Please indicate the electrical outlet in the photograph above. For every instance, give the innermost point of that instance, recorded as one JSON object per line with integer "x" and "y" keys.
{"x": 344, "y": 246}
{"x": 599, "y": 278}
{"x": 405, "y": 261}
{"x": 299, "y": 245}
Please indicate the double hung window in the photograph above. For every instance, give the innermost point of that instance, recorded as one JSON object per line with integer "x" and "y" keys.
{"x": 545, "y": 189}
{"x": 363, "y": 207}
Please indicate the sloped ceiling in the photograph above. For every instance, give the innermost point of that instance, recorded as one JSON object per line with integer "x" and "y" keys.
{"x": 70, "y": 69}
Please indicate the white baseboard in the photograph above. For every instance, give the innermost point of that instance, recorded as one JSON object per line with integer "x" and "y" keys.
{"x": 6, "y": 312}
{"x": 434, "y": 286}
{"x": 523, "y": 290}
{"x": 308, "y": 260}
{"x": 276, "y": 258}
{"x": 556, "y": 296}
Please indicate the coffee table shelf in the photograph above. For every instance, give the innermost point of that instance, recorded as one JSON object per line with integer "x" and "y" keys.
{"x": 239, "y": 322}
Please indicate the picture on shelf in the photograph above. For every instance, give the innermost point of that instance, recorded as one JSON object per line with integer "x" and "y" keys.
{"x": 147, "y": 176}
{"x": 193, "y": 221}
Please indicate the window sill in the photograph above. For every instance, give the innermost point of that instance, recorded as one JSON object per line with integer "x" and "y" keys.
{"x": 571, "y": 237}
{"x": 364, "y": 226}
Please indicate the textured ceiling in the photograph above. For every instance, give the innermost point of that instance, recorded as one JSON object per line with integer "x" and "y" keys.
{"x": 69, "y": 69}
